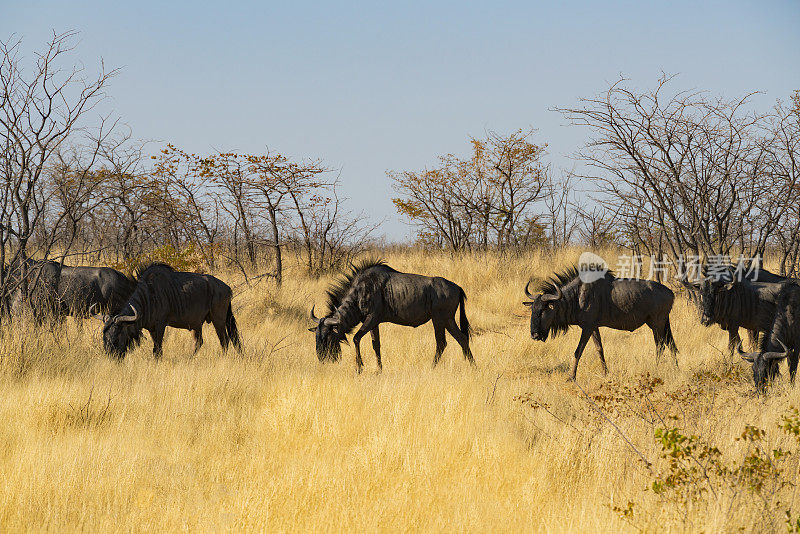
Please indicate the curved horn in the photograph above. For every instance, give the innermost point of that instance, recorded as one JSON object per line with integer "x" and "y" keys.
{"x": 527, "y": 292}
{"x": 557, "y": 296}
{"x": 314, "y": 317}
{"x": 745, "y": 355}
{"x": 94, "y": 313}
{"x": 778, "y": 355}
{"x": 128, "y": 318}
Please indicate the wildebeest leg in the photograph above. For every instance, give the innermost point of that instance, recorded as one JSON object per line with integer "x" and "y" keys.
{"x": 662, "y": 338}
{"x": 599, "y": 344}
{"x": 376, "y": 346}
{"x": 793, "y": 357}
{"x": 369, "y": 323}
{"x": 753, "y": 335}
{"x": 733, "y": 340}
{"x": 585, "y": 335}
{"x": 441, "y": 341}
{"x": 461, "y": 338}
{"x": 222, "y": 333}
{"x": 158, "y": 341}
{"x": 198, "y": 338}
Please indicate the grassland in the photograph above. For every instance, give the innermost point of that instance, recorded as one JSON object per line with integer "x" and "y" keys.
{"x": 272, "y": 440}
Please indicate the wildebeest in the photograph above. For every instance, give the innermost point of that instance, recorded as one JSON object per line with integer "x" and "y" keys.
{"x": 81, "y": 289}
{"x": 618, "y": 303}
{"x": 164, "y": 297}
{"x": 34, "y": 283}
{"x": 734, "y": 304}
{"x": 373, "y": 293}
{"x": 782, "y": 340}
{"x": 54, "y": 290}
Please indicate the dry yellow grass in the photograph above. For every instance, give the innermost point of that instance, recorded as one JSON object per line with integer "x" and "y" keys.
{"x": 274, "y": 441}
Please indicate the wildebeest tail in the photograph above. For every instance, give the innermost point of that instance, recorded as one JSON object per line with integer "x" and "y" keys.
{"x": 232, "y": 329}
{"x": 464, "y": 325}
{"x": 668, "y": 339}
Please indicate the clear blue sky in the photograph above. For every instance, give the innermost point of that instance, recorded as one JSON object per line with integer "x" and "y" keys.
{"x": 374, "y": 87}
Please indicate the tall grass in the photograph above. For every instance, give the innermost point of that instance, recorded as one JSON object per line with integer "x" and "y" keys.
{"x": 272, "y": 440}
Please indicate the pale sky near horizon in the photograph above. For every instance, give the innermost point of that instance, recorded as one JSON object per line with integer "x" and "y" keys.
{"x": 390, "y": 87}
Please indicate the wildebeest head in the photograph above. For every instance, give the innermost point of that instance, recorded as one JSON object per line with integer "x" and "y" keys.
{"x": 710, "y": 291}
{"x": 765, "y": 364}
{"x": 120, "y": 332}
{"x": 329, "y": 337}
{"x": 542, "y": 312}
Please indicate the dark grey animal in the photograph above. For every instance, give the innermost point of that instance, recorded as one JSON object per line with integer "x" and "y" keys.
{"x": 618, "y": 303}
{"x": 738, "y": 304}
{"x": 34, "y": 283}
{"x": 164, "y": 297}
{"x": 782, "y": 341}
{"x": 373, "y": 293}
{"x": 55, "y": 291}
{"x": 763, "y": 275}
{"x": 83, "y": 290}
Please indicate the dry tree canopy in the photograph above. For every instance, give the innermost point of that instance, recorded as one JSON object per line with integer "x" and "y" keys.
{"x": 502, "y": 196}
{"x": 684, "y": 174}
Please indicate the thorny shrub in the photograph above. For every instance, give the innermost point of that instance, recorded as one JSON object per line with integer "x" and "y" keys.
{"x": 693, "y": 473}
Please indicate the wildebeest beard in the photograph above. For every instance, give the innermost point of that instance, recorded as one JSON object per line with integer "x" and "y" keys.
{"x": 120, "y": 337}
{"x": 329, "y": 343}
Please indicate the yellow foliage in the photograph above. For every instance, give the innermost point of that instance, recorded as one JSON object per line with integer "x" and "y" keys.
{"x": 186, "y": 259}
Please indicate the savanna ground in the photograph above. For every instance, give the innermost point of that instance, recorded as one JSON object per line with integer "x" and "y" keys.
{"x": 272, "y": 440}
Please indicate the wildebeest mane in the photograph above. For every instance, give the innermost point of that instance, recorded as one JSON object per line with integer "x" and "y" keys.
{"x": 339, "y": 288}
{"x": 562, "y": 279}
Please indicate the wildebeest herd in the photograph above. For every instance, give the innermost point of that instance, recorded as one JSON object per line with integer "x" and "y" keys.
{"x": 371, "y": 293}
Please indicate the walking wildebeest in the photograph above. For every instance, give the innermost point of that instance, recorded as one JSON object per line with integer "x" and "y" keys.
{"x": 54, "y": 290}
{"x": 373, "y": 293}
{"x": 782, "y": 340}
{"x": 618, "y": 303}
{"x": 164, "y": 297}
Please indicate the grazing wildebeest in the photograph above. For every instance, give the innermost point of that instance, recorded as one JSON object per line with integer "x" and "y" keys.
{"x": 734, "y": 304}
{"x": 373, "y": 293}
{"x": 782, "y": 340}
{"x": 618, "y": 303}
{"x": 54, "y": 290}
{"x": 164, "y": 297}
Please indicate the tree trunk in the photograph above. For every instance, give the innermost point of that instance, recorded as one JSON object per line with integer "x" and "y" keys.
{"x": 276, "y": 243}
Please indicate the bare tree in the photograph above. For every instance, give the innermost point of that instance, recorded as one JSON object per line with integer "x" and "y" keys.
{"x": 41, "y": 107}
{"x": 562, "y": 212}
{"x": 685, "y": 174}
